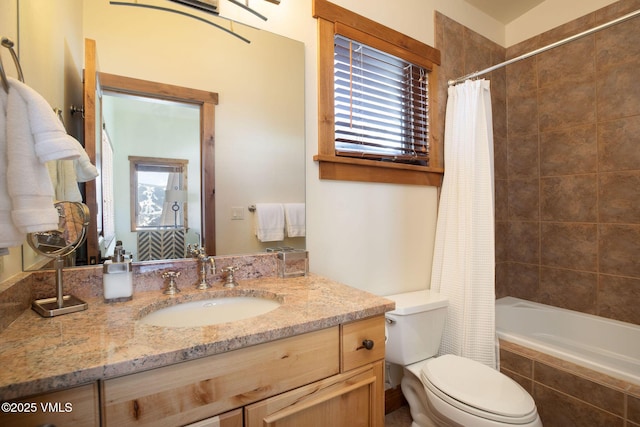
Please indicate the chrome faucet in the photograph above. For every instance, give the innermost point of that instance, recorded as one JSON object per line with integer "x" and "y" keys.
{"x": 205, "y": 262}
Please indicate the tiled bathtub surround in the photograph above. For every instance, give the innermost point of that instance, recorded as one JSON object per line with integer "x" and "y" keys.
{"x": 569, "y": 395}
{"x": 567, "y": 161}
{"x": 17, "y": 293}
{"x": 567, "y": 217}
{"x": 567, "y": 181}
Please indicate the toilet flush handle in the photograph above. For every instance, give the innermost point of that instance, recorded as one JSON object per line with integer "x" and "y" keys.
{"x": 366, "y": 344}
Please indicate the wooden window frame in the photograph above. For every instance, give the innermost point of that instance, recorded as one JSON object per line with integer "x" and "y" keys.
{"x": 134, "y": 162}
{"x": 332, "y": 20}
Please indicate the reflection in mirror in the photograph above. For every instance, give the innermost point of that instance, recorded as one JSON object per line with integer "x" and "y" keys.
{"x": 73, "y": 218}
{"x": 158, "y": 193}
{"x": 259, "y": 122}
{"x": 153, "y": 140}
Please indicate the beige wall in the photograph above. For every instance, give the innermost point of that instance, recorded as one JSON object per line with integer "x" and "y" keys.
{"x": 547, "y": 15}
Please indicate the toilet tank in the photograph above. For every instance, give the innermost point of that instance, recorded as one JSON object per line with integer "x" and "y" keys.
{"x": 415, "y": 327}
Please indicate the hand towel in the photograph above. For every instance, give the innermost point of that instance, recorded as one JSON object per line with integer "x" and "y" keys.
{"x": 51, "y": 141}
{"x": 269, "y": 222}
{"x": 65, "y": 181}
{"x": 28, "y": 183}
{"x": 84, "y": 169}
{"x": 294, "y": 216}
{"x": 9, "y": 235}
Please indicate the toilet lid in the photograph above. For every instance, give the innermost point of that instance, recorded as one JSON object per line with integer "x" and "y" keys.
{"x": 472, "y": 385}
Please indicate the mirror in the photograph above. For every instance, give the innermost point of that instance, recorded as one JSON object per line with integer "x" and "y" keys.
{"x": 73, "y": 218}
{"x": 259, "y": 121}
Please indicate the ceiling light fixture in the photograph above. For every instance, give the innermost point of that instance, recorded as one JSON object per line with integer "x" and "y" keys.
{"x": 179, "y": 12}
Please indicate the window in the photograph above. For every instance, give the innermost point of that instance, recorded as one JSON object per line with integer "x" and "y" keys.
{"x": 158, "y": 193}
{"x": 375, "y": 123}
{"x": 381, "y": 105}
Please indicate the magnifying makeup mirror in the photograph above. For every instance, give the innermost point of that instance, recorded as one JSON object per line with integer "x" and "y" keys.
{"x": 73, "y": 218}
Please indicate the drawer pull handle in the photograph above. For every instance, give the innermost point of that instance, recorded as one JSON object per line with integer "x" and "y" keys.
{"x": 367, "y": 344}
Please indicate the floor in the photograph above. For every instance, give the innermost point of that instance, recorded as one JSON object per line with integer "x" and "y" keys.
{"x": 398, "y": 418}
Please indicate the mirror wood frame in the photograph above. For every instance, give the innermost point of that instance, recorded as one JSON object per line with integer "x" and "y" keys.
{"x": 95, "y": 82}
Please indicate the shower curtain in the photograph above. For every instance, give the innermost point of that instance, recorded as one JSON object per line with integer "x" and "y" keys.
{"x": 464, "y": 259}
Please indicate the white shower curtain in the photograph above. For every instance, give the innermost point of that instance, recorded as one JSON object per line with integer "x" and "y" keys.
{"x": 464, "y": 259}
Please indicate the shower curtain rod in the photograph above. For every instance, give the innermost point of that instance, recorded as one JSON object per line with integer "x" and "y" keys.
{"x": 545, "y": 48}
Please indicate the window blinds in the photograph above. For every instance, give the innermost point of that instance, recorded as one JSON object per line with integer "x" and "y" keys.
{"x": 381, "y": 105}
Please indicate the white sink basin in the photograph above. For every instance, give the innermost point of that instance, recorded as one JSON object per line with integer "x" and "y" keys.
{"x": 210, "y": 311}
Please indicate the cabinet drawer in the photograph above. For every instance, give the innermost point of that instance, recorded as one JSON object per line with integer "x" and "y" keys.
{"x": 353, "y": 335}
{"x": 76, "y": 406}
{"x": 186, "y": 392}
{"x": 228, "y": 419}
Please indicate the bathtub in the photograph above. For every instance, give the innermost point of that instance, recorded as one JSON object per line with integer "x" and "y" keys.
{"x": 605, "y": 345}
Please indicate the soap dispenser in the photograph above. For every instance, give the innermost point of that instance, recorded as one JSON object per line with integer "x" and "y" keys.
{"x": 117, "y": 276}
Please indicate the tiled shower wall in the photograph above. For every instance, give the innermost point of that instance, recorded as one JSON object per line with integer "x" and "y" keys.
{"x": 568, "y": 218}
{"x": 567, "y": 161}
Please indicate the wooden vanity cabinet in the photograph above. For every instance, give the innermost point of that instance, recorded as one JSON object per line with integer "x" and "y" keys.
{"x": 73, "y": 407}
{"x": 331, "y": 377}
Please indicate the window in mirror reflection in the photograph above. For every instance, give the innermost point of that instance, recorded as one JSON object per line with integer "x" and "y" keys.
{"x": 158, "y": 193}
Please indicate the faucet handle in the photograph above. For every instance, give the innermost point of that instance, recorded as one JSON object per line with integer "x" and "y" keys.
{"x": 231, "y": 281}
{"x": 171, "y": 288}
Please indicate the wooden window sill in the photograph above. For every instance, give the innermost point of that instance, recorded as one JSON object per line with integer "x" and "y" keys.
{"x": 352, "y": 169}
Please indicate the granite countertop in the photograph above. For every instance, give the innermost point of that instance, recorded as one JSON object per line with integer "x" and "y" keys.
{"x": 42, "y": 354}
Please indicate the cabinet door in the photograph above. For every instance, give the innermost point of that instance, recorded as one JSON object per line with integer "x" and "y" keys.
{"x": 76, "y": 406}
{"x": 353, "y": 399}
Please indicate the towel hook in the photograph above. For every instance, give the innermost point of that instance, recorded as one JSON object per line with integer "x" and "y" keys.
{"x": 9, "y": 45}
{"x": 5, "y": 82}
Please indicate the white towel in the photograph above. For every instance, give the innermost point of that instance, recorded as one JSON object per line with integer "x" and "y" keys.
{"x": 9, "y": 234}
{"x": 28, "y": 180}
{"x": 65, "y": 183}
{"x": 269, "y": 222}
{"x": 34, "y": 135}
{"x": 84, "y": 169}
{"x": 50, "y": 138}
{"x": 294, "y": 216}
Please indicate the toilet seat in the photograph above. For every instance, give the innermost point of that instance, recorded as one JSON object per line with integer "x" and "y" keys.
{"x": 476, "y": 389}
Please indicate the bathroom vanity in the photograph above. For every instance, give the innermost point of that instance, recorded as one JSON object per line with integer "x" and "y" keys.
{"x": 316, "y": 360}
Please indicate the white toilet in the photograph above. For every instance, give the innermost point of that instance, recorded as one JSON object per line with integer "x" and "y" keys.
{"x": 448, "y": 390}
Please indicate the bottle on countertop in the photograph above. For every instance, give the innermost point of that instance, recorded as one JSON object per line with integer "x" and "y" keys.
{"x": 117, "y": 276}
